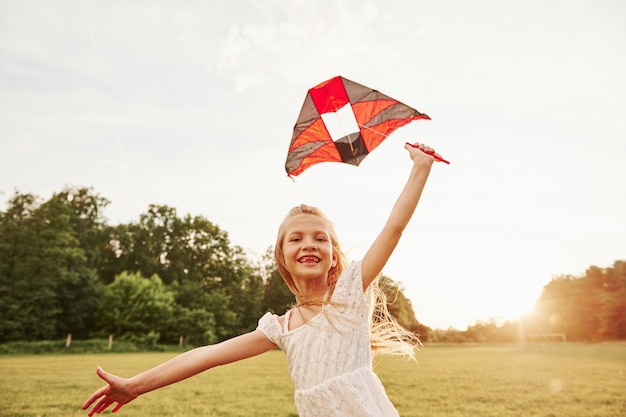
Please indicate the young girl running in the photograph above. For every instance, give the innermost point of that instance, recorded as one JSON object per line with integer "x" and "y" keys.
{"x": 330, "y": 334}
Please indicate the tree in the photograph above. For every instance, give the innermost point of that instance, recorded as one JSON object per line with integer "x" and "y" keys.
{"x": 277, "y": 297}
{"x": 589, "y": 307}
{"x": 116, "y": 253}
{"x": 16, "y": 243}
{"x": 85, "y": 210}
{"x": 196, "y": 326}
{"x": 135, "y": 308}
{"x": 248, "y": 297}
{"x": 194, "y": 257}
{"x": 610, "y": 287}
{"x": 78, "y": 214}
{"x": 47, "y": 281}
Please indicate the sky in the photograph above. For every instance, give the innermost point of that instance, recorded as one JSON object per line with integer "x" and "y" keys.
{"x": 192, "y": 104}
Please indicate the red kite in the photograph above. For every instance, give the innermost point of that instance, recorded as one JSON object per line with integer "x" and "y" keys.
{"x": 342, "y": 121}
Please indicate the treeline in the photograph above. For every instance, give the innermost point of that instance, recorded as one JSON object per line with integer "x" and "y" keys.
{"x": 64, "y": 270}
{"x": 590, "y": 307}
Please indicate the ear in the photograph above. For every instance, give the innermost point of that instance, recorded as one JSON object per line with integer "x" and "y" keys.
{"x": 334, "y": 264}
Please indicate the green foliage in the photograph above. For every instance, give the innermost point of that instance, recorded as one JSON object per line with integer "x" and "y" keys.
{"x": 278, "y": 297}
{"x": 196, "y": 326}
{"x": 134, "y": 308}
{"x": 182, "y": 277}
{"x": 591, "y": 307}
{"x": 47, "y": 276}
{"x": 211, "y": 280}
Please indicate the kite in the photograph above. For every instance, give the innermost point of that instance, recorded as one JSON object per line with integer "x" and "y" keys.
{"x": 343, "y": 121}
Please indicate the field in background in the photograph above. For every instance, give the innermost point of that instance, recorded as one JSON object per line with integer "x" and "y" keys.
{"x": 569, "y": 380}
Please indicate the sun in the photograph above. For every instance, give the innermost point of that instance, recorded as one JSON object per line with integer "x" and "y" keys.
{"x": 511, "y": 305}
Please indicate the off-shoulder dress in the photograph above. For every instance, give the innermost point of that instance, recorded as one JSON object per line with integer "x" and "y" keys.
{"x": 329, "y": 357}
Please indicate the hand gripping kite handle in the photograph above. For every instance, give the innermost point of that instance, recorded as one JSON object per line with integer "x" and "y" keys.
{"x": 435, "y": 156}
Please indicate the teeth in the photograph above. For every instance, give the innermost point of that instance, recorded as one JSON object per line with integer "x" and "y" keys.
{"x": 309, "y": 259}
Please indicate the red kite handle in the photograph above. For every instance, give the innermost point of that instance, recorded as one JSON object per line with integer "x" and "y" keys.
{"x": 435, "y": 157}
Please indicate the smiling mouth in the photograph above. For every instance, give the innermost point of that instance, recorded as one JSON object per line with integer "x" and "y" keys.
{"x": 309, "y": 260}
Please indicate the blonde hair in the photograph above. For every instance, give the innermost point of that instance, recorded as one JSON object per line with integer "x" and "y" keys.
{"x": 386, "y": 334}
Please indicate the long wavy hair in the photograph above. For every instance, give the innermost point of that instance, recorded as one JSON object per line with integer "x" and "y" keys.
{"x": 386, "y": 334}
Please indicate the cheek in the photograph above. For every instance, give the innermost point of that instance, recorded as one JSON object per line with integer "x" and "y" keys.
{"x": 288, "y": 255}
{"x": 287, "y": 251}
{"x": 331, "y": 254}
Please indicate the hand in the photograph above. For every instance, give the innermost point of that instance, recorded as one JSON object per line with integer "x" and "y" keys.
{"x": 117, "y": 391}
{"x": 413, "y": 151}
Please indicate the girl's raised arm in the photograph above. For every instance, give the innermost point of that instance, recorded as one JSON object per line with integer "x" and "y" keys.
{"x": 120, "y": 391}
{"x": 380, "y": 251}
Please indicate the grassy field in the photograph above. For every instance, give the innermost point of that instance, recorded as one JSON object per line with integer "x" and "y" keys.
{"x": 569, "y": 380}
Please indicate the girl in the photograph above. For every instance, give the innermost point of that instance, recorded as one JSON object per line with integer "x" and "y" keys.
{"x": 328, "y": 336}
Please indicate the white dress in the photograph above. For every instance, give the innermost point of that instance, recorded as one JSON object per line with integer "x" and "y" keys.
{"x": 329, "y": 357}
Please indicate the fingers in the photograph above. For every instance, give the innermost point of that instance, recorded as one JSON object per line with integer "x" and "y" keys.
{"x": 425, "y": 149}
{"x": 103, "y": 374}
{"x": 101, "y": 403}
{"x": 100, "y": 406}
{"x": 104, "y": 403}
{"x": 94, "y": 397}
{"x": 99, "y": 397}
{"x": 115, "y": 393}
{"x": 100, "y": 392}
{"x": 422, "y": 147}
{"x": 117, "y": 407}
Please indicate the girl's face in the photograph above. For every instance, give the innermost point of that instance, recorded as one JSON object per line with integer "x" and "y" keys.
{"x": 307, "y": 247}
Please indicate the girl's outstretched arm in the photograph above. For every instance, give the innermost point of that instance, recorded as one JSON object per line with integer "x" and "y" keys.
{"x": 120, "y": 391}
{"x": 380, "y": 251}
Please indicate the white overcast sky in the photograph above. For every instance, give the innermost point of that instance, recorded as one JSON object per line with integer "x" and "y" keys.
{"x": 192, "y": 104}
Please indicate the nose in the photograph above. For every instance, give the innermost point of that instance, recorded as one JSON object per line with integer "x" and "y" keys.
{"x": 310, "y": 246}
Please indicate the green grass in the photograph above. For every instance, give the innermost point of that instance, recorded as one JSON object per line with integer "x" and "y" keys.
{"x": 572, "y": 380}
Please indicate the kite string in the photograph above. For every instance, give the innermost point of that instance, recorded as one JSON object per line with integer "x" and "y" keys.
{"x": 373, "y": 130}
{"x": 438, "y": 158}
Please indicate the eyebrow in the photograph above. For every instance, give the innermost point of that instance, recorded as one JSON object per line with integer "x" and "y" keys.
{"x": 315, "y": 232}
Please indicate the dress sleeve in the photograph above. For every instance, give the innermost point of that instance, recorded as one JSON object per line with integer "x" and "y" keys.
{"x": 270, "y": 327}
{"x": 350, "y": 284}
